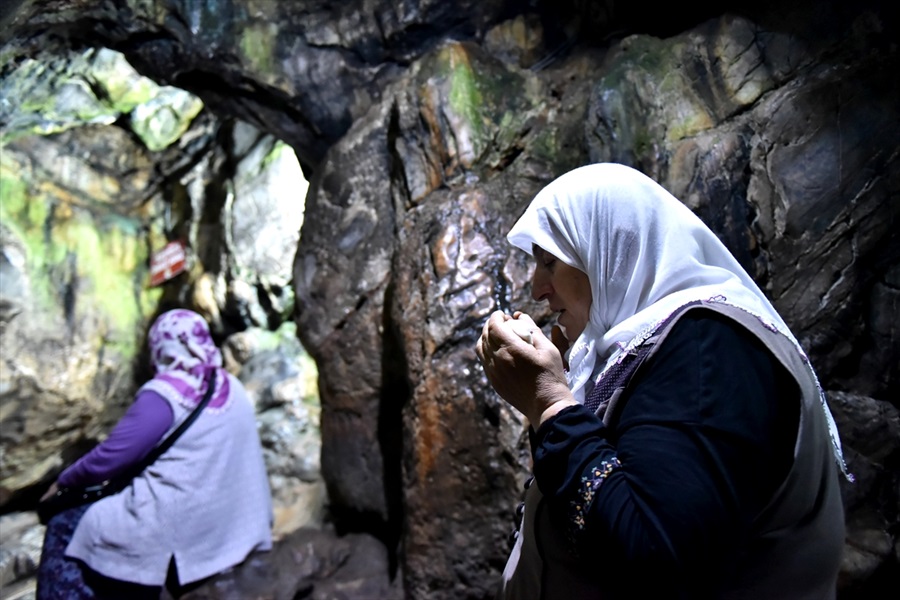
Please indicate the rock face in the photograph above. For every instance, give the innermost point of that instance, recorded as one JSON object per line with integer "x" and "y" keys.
{"x": 101, "y": 166}
{"x": 425, "y": 131}
{"x": 412, "y": 427}
{"x": 75, "y": 254}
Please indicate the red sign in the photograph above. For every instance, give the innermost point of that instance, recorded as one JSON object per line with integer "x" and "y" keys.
{"x": 168, "y": 262}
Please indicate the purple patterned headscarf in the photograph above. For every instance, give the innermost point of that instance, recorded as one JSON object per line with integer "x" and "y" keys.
{"x": 182, "y": 352}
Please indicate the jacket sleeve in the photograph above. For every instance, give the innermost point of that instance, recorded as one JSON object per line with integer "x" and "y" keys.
{"x": 133, "y": 437}
{"x": 705, "y": 437}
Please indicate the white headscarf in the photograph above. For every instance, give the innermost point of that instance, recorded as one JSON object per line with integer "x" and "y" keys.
{"x": 645, "y": 254}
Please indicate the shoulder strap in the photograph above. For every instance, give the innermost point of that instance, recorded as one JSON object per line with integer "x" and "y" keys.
{"x": 778, "y": 344}
{"x": 606, "y": 390}
{"x": 613, "y": 406}
{"x": 167, "y": 443}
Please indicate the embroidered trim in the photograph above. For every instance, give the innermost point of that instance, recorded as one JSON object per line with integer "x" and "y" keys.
{"x": 589, "y": 486}
{"x": 631, "y": 346}
{"x": 645, "y": 334}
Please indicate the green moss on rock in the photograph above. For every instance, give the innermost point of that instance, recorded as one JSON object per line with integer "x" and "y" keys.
{"x": 465, "y": 97}
{"x": 162, "y": 120}
{"x": 94, "y": 87}
{"x": 485, "y": 103}
{"x": 258, "y": 43}
{"x": 124, "y": 88}
{"x": 101, "y": 259}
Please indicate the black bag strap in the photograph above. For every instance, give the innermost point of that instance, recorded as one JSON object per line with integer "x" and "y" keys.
{"x": 167, "y": 443}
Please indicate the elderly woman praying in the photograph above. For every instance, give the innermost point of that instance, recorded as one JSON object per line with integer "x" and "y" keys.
{"x": 681, "y": 443}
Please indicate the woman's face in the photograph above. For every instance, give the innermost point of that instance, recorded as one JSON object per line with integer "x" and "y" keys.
{"x": 566, "y": 289}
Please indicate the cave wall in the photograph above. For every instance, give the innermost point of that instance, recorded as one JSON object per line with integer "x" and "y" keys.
{"x": 426, "y": 128}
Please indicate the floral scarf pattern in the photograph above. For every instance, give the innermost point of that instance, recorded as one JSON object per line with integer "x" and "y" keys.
{"x": 182, "y": 353}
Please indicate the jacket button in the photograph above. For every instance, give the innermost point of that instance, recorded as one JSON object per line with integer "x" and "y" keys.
{"x": 529, "y": 482}
{"x": 520, "y": 510}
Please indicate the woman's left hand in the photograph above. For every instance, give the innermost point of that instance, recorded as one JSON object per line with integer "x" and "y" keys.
{"x": 51, "y": 491}
{"x": 528, "y": 376}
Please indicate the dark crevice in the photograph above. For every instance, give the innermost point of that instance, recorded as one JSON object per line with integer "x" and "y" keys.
{"x": 395, "y": 395}
{"x": 399, "y": 182}
{"x": 501, "y": 291}
{"x": 360, "y": 303}
{"x": 70, "y": 290}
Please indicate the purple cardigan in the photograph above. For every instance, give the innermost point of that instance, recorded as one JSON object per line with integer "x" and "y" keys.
{"x": 139, "y": 430}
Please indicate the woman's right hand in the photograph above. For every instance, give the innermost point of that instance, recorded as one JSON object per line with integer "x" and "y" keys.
{"x": 530, "y": 377}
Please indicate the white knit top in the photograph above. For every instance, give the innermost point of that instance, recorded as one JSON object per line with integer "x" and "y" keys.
{"x": 206, "y": 502}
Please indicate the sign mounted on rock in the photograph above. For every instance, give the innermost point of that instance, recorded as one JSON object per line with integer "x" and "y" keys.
{"x": 168, "y": 262}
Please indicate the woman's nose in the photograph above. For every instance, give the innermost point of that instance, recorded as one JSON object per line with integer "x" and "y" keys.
{"x": 540, "y": 286}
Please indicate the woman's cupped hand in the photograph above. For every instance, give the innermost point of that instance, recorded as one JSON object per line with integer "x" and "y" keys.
{"x": 529, "y": 376}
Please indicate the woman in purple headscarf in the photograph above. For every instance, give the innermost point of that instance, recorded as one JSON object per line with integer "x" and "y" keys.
{"x": 200, "y": 508}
